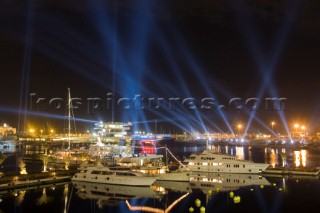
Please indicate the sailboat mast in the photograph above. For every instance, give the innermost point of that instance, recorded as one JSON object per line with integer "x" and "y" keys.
{"x": 69, "y": 117}
{"x": 167, "y": 160}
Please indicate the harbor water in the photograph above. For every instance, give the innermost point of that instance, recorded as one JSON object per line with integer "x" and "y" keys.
{"x": 222, "y": 193}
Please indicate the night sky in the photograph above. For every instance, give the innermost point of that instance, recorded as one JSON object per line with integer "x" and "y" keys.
{"x": 162, "y": 48}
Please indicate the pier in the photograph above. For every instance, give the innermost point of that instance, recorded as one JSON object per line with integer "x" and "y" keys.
{"x": 27, "y": 184}
{"x": 293, "y": 171}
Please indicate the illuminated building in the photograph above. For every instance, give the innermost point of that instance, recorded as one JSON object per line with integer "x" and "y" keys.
{"x": 144, "y": 143}
{"x": 113, "y": 132}
{"x": 6, "y": 130}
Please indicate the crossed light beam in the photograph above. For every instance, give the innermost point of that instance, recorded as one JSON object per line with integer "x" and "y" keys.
{"x": 129, "y": 62}
{"x": 266, "y": 66}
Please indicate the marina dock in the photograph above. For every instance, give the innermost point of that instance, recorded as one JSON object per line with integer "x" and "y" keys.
{"x": 32, "y": 183}
{"x": 292, "y": 172}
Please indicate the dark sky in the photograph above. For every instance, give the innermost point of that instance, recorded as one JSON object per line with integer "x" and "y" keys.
{"x": 159, "y": 48}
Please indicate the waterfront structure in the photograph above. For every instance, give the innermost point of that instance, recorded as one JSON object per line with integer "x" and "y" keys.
{"x": 112, "y": 132}
{"x": 102, "y": 150}
{"x": 144, "y": 143}
{"x": 6, "y": 130}
{"x": 208, "y": 161}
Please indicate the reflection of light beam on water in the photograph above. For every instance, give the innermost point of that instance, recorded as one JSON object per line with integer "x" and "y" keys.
{"x": 156, "y": 210}
{"x": 65, "y": 193}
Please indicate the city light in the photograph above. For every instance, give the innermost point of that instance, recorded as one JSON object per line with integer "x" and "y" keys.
{"x": 272, "y": 124}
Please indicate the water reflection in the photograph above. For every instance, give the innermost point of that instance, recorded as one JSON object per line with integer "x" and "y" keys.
{"x": 153, "y": 209}
{"x": 112, "y": 195}
{"x": 224, "y": 181}
{"x": 20, "y": 197}
{"x": 36, "y": 198}
{"x": 163, "y": 196}
{"x": 297, "y": 158}
{"x": 240, "y": 152}
{"x": 300, "y": 158}
{"x": 66, "y": 198}
{"x": 44, "y": 199}
{"x": 304, "y": 157}
{"x": 106, "y": 194}
{"x": 273, "y": 158}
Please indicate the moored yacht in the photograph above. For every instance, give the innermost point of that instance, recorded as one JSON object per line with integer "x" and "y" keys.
{"x": 113, "y": 175}
{"x": 208, "y": 161}
{"x": 152, "y": 164}
{"x": 178, "y": 175}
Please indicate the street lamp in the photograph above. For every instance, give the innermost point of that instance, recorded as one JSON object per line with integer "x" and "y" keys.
{"x": 296, "y": 126}
{"x": 303, "y": 130}
{"x": 239, "y": 128}
{"x": 272, "y": 124}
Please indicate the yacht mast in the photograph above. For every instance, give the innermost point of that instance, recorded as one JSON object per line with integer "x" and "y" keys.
{"x": 69, "y": 117}
{"x": 167, "y": 160}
